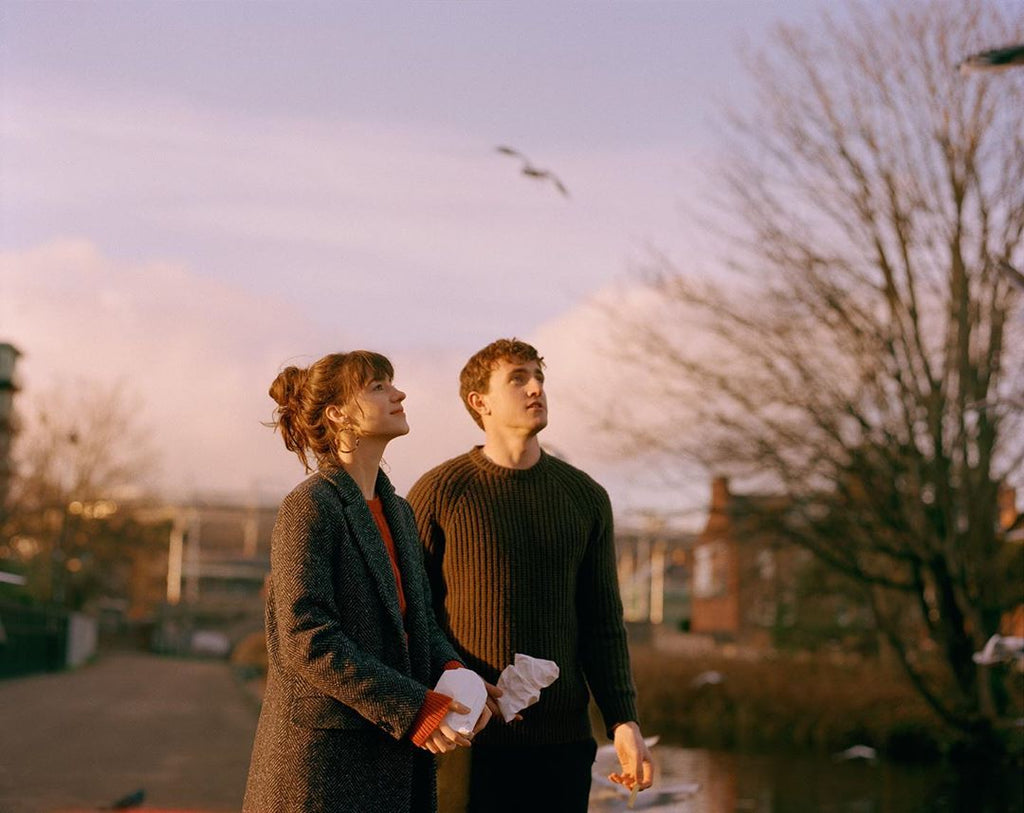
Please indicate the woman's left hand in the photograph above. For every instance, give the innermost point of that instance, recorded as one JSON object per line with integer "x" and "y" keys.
{"x": 444, "y": 738}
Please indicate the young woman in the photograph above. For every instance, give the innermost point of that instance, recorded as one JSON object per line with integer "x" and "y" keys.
{"x": 348, "y": 718}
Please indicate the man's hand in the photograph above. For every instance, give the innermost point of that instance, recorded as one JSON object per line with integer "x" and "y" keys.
{"x": 444, "y": 738}
{"x": 493, "y": 693}
{"x": 484, "y": 718}
{"x": 634, "y": 757}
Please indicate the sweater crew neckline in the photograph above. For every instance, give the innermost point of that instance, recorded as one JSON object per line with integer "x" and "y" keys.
{"x": 488, "y": 466}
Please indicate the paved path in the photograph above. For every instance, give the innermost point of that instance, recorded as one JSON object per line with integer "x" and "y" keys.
{"x": 180, "y": 729}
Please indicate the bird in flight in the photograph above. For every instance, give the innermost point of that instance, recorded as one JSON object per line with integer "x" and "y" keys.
{"x": 994, "y": 59}
{"x": 1000, "y": 649}
{"x": 532, "y": 171}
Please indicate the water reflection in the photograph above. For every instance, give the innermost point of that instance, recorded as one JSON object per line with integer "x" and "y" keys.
{"x": 746, "y": 783}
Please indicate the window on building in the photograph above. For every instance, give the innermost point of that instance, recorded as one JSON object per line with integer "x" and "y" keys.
{"x": 709, "y": 570}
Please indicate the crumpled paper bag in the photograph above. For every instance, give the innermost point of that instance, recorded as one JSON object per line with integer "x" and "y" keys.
{"x": 521, "y": 682}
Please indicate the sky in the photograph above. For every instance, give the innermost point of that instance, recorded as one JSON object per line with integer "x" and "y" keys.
{"x": 195, "y": 195}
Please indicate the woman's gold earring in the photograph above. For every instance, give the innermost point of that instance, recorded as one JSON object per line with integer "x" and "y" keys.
{"x": 340, "y": 443}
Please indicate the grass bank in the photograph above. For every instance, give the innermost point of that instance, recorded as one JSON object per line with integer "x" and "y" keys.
{"x": 784, "y": 702}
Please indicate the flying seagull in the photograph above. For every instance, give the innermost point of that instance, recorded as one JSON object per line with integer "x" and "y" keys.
{"x": 1000, "y": 649}
{"x": 532, "y": 171}
{"x": 709, "y": 678}
{"x": 856, "y": 752}
{"x": 994, "y": 59}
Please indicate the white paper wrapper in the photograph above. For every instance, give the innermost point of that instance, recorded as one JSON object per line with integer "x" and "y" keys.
{"x": 522, "y": 681}
{"x": 467, "y": 687}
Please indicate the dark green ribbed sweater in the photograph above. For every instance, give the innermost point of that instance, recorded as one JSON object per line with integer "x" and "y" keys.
{"x": 523, "y": 560}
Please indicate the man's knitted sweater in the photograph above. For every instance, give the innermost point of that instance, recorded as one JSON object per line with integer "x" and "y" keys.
{"x": 523, "y": 560}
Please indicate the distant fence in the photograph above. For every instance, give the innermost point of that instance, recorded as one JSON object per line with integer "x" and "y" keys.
{"x": 42, "y": 639}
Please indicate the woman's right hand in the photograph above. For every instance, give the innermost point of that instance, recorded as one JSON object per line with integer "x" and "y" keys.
{"x": 444, "y": 738}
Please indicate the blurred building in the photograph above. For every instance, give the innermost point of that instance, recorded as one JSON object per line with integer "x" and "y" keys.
{"x": 750, "y": 586}
{"x": 744, "y": 576}
{"x": 8, "y": 386}
{"x": 210, "y": 575}
{"x": 654, "y": 568}
{"x": 220, "y": 554}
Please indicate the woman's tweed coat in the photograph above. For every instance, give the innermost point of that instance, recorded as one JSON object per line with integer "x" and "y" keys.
{"x": 345, "y": 683}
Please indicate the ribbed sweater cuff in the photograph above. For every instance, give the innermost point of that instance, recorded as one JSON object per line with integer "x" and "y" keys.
{"x": 431, "y": 713}
{"x": 623, "y": 711}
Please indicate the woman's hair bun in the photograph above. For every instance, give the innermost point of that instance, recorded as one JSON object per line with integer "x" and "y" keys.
{"x": 287, "y": 388}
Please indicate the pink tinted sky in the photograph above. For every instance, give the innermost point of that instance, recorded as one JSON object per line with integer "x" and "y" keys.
{"x": 194, "y": 194}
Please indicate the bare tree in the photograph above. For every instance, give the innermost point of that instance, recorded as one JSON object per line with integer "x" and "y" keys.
{"x": 863, "y": 354}
{"x": 81, "y": 455}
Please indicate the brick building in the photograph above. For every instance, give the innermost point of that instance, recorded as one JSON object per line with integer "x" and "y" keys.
{"x": 742, "y": 575}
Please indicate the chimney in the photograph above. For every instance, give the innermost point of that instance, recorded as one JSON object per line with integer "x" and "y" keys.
{"x": 719, "y": 493}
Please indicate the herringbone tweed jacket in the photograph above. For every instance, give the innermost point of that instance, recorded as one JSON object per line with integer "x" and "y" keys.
{"x": 345, "y": 682}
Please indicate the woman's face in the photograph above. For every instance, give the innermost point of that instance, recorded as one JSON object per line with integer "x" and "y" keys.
{"x": 377, "y": 411}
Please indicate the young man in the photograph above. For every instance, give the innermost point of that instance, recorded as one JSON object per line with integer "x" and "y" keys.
{"x": 521, "y": 558}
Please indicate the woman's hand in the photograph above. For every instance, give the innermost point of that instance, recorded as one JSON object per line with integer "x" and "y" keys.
{"x": 444, "y": 738}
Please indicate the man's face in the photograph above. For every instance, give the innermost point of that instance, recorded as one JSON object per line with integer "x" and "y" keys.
{"x": 515, "y": 398}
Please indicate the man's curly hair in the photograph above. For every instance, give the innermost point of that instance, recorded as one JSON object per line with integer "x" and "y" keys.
{"x": 476, "y": 375}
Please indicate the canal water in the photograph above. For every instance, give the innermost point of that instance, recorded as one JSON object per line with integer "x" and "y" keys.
{"x": 694, "y": 780}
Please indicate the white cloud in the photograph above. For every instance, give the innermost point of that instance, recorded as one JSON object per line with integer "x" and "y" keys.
{"x": 589, "y": 380}
{"x": 200, "y": 355}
